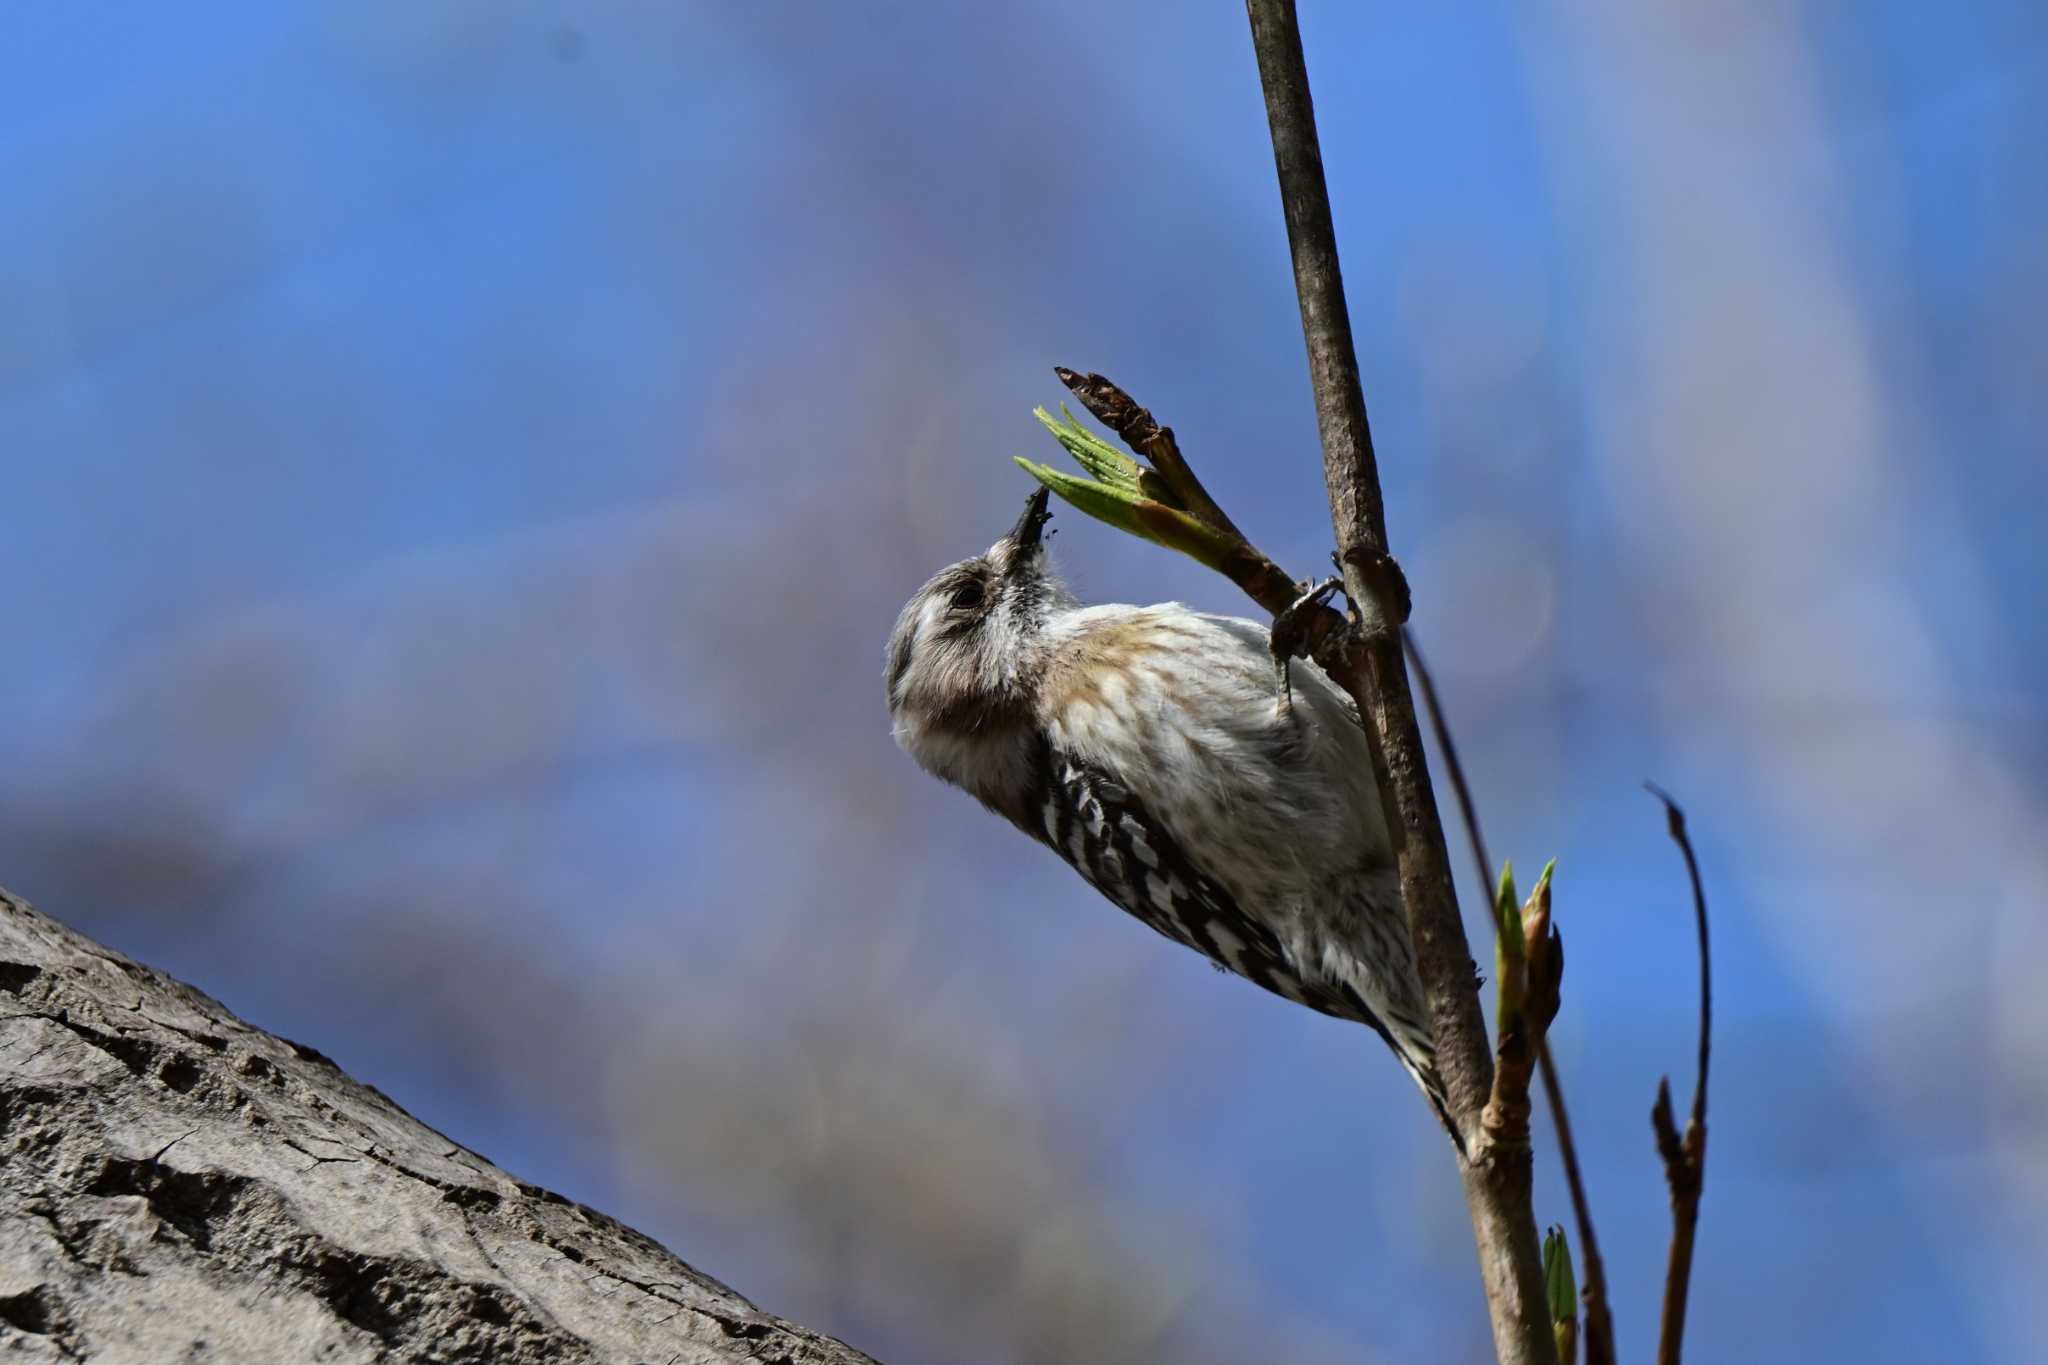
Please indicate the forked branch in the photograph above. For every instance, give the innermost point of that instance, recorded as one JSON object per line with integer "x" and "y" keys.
{"x": 1685, "y": 1156}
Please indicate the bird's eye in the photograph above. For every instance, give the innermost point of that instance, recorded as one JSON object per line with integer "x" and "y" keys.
{"x": 967, "y": 597}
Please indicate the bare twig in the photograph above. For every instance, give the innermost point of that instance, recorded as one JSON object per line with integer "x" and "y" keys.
{"x": 1495, "y": 1169}
{"x": 1685, "y": 1158}
{"x": 1599, "y": 1333}
{"x": 1440, "y": 727}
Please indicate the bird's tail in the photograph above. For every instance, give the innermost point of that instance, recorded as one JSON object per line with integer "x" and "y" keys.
{"x": 1415, "y": 1049}
{"x": 1420, "y": 1062}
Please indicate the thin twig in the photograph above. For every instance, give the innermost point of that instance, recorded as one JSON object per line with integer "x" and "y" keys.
{"x": 1685, "y": 1159}
{"x": 1599, "y": 1333}
{"x": 1440, "y": 727}
{"x": 1675, "y": 822}
{"x": 1494, "y": 1168}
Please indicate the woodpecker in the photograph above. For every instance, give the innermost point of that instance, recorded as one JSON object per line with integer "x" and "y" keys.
{"x": 1155, "y": 751}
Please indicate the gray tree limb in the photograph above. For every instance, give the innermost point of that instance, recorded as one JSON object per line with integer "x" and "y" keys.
{"x": 177, "y": 1185}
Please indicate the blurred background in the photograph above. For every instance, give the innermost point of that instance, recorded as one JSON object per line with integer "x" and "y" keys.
{"x": 460, "y": 462}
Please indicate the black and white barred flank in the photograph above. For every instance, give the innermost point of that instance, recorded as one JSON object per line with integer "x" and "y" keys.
{"x": 1093, "y": 822}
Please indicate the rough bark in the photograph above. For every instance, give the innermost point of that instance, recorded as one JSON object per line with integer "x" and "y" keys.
{"x": 177, "y": 1185}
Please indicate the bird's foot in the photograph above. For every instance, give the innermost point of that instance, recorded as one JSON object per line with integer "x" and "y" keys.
{"x": 1290, "y": 633}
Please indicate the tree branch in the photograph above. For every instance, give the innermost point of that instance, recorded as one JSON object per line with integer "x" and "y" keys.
{"x": 1495, "y": 1169}
{"x": 1685, "y": 1158}
{"x": 1599, "y": 1333}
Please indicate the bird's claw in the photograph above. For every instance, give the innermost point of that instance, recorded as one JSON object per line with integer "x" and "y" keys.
{"x": 1290, "y": 632}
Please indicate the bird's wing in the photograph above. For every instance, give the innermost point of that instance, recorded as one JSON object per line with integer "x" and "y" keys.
{"x": 1100, "y": 826}
{"x": 1097, "y": 824}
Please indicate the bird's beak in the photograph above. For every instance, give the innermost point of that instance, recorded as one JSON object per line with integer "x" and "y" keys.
{"x": 1029, "y": 526}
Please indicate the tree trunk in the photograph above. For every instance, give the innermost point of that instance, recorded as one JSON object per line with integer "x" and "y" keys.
{"x": 176, "y": 1185}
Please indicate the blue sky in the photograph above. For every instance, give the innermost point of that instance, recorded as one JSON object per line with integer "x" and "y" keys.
{"x": 461, "y": 462}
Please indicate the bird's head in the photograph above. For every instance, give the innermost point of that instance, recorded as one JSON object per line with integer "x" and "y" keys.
{"x": 962, "y": 659}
